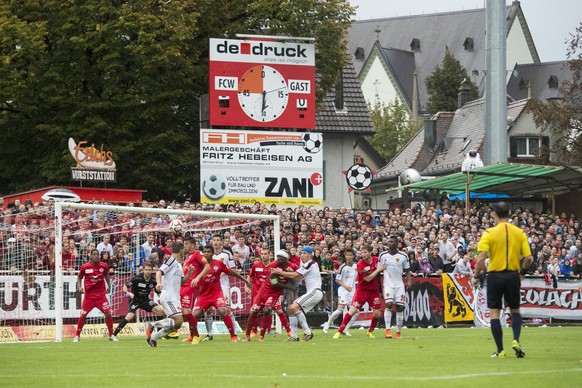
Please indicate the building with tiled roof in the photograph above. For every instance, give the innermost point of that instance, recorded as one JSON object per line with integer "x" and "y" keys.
{"x": 385, "y": 52}
{"x": 343, "y": 119}
{"x": 440, "y": 147}
{"x": 538, "y": 80}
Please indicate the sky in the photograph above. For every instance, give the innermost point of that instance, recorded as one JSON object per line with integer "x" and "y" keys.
{"x": 550, "y": 21}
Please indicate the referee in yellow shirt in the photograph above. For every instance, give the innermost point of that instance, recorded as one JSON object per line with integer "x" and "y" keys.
{"x": 509, "y": 258}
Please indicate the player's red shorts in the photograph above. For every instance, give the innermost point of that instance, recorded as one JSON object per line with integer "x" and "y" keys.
{"x": 187, "y": 297}
{"x": 90, "y": 304}
{"x": 363, "y": 296}
{"x": 205, "y": 302}
{"x": 266, "y": 299}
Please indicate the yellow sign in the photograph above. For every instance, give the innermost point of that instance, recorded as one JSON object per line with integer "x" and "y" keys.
{"x": 458, "y": 297}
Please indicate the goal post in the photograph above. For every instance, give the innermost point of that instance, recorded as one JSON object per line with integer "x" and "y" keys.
{"x": 134, "y": 223}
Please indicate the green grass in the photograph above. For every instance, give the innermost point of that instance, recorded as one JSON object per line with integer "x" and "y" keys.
{"x": 424, "y": 357}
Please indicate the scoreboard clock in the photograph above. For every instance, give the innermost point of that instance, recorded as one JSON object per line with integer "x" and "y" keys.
{"x": 261, "y": 84}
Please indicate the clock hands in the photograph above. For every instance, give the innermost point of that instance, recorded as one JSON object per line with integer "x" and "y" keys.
{"x": 274, "y": 90}
{"x": 264, "y": 104}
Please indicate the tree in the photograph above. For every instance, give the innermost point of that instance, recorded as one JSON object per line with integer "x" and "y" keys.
{"x": 443, "y": 85}
{"x": 561, "y": 119}
{"x": 394, "y": 128}
{"x": 128, "y": 75}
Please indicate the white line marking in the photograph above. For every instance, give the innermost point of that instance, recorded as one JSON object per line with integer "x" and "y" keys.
{"x": 306, "y": 377}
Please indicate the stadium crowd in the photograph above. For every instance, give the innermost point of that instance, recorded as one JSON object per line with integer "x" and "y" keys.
{"x": 439, "y": 237}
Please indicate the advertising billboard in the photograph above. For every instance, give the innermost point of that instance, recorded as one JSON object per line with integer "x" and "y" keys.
{"x": 256, "y": 83}
{"x": 282, "y": 168}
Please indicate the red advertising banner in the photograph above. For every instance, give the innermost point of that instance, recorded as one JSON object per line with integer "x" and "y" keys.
{"x": 257, "y": 83}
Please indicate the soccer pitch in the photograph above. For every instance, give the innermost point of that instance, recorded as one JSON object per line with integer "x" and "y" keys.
{"x": 424, "y": 357}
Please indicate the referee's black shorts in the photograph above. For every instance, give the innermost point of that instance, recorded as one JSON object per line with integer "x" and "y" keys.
{"x": 503, "y": 284}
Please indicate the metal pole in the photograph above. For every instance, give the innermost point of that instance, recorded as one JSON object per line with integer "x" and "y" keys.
{"x": 58, "y": 272}
{"x": 495, "y": 85}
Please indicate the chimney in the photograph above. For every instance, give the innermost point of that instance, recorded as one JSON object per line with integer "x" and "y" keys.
{"x": 339, "y": 93}
{"x": 465, "y": 94}
{"x": 430, "y": 133}
{"x": 414, "y": 95}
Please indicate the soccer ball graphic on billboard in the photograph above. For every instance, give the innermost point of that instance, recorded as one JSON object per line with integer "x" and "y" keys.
{"x": 313, "y": 142}
{"x": 214, "y": 186}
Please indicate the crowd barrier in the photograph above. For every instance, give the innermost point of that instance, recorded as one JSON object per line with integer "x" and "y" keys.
{"x": 431, "y": 301}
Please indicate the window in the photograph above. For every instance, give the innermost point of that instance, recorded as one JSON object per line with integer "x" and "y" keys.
{"x": 527, "y": 146}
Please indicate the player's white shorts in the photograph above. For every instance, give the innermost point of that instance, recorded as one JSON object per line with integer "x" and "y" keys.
{"x": 344, "y": 297}
{"x": 395, "y": 295}
{"x": 171, "y": 303}
{"x": 226, "y": 294}
{"x": 309, "y": 300}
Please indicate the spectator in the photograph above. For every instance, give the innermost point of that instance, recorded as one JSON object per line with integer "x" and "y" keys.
{"x": 425, "y": 268}
{"x": 566, "y": 268}
{"x": 577, "y": 266}
{"x": 435, "y": 260}
{"x": 554, "y": 266}
{"x": 68, "y": 258}
{"x": 148, "y": 246}
{"x": 105, "y": 245}
{"x": 414, "y": 261}
{"x": 463, "y": 266}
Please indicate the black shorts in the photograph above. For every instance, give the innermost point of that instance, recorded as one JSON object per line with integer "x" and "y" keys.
{"x": 147, "y": 305}
{"x": 503, "y": 284}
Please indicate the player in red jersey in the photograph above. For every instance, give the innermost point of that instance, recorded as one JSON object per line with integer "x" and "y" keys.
{"x": 189, "y": 290}
{"x": 258, "y": 274}
{"x": 366, "y": 290}
{"x": 210, "y": 292}
{"x": 93, "y": 281}
{"x": 269, "y": 297}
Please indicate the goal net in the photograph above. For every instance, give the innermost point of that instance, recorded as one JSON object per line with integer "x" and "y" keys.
{"x": 41, "y": 260}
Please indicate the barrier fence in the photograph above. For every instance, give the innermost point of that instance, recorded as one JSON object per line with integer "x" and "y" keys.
{"x": 431, "y": 301}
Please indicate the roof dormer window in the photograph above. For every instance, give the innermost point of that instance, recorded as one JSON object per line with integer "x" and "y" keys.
{"x": 415, "y": 44}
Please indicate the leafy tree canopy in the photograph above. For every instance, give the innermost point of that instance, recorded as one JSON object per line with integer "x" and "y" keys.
{"x": 394, "y": 128}
{"x": 443, "y": 85}
{"x": 128, "y": 74}
{"x": 561, "y": 119}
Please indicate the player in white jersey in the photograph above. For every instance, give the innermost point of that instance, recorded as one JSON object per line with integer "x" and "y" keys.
{"x": 169, "y": 278}
{"x": 397, "y": 264}
{"x": 346, "y": 279}
{"x": 226, "y": 257}
{"x": 309, "y": 271}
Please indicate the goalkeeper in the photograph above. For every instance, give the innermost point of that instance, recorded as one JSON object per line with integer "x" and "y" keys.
{"x": 138, "y": 291}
